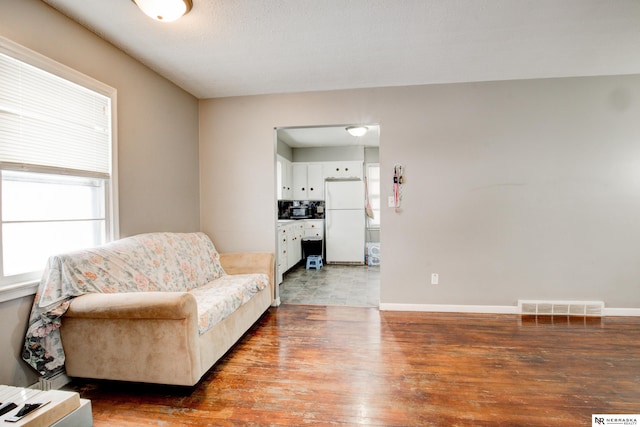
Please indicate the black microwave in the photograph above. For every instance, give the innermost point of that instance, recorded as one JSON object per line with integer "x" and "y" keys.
{"x": 299, "y": 212}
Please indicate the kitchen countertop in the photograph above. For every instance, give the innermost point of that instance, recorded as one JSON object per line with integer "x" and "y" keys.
{"x": 300, "y": 219}
{"x": 285, "y": 221}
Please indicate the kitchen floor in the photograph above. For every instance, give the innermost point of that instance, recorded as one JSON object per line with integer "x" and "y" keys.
{"x": 346, "y": 285}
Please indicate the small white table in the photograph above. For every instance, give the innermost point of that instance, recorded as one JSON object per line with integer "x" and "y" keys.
{"x": 64, "y": 408}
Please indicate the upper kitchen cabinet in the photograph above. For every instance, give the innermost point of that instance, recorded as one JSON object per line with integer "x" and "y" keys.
{"x": 347, "y": 169}
{"x": 284, "y": 173}
{"x": 308, "y": 181}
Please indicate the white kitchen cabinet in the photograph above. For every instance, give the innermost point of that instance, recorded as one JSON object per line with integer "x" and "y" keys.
{"x": 288, "y": 180}
{"x": 281, "y": 254}
{"x": 342, "y": 170}
{"x": 314, "y": 228}
{"x": 299, "y": 181}
{"x": 284, "y": 174}
{"x": 289, "y": 247}
{"x": 308, "y": 181}
{"x": 290, "y": 235}
{"x": 315, "y": 181}
{"x": 295, "y": 231}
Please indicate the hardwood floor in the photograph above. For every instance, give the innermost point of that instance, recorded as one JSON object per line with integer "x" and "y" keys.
{"x": 317, "y": 365}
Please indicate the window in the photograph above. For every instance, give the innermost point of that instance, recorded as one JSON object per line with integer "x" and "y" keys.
{"x": 373, "y": 192}
{"x": 56, "y": 151}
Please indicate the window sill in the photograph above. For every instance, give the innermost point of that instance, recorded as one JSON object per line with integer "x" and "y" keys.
{"x": 20, "y": 290}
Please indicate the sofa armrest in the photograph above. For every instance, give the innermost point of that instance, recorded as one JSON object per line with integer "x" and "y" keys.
{"x": 149, "y": 337}
{"x": 134, "y": 305}
{"x": 250, "y": 262}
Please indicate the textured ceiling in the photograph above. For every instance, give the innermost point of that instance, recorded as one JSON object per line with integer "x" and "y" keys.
{"x": 247, "y": 47}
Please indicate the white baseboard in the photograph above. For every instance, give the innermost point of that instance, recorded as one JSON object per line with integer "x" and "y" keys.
{"x": 488, "y": 309}
{"x": 445, "y": 308}
{"x": 632, "y": 312}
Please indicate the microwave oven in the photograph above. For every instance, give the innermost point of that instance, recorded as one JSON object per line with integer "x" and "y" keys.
{"x": 299, "y": 212}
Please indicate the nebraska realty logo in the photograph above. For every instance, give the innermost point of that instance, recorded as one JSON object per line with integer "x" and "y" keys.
{"x": 614, "y": 420}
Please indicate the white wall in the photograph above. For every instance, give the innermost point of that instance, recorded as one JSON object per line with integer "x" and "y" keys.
{"x": 157, "y": 143}
{"x": 13, "y": 318}
{"x": 518, "y": 189}
{"x": 371, "y": 155}
{"x": 328, "y": 154}
{"x": 284, "y": 150}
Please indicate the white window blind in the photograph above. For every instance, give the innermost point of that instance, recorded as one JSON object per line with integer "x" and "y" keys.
{"x": 47, "y": 121}
{"x": 58, "y": 189}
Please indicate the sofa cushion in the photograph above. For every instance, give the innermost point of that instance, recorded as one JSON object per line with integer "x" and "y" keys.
{"x": 221, "y": 297}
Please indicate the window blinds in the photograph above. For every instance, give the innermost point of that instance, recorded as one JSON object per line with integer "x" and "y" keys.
{"x": 47, "y": 121}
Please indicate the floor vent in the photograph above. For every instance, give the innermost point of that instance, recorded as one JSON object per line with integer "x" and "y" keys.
{"x": 561, "y": 308}
{"x": 54, "y": 382}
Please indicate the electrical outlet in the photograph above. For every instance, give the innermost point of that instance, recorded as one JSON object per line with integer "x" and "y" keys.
{"x": 435, "y": 278}
{"x": 391, "y": 202}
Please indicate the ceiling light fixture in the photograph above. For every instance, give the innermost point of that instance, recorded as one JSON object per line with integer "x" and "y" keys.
{"x": 164, "y": 10}
{"x": 357, "y": 130}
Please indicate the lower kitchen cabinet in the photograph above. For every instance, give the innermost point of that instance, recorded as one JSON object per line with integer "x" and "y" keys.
{"x": 314, "y": 228}
{"x": 281, "y": 253}
{"x": 294, "y": 244}
{"x": 290, "y": 235}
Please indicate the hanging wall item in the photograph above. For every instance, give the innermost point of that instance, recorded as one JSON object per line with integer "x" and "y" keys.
{"x": 367, "y": 209}
{"x": 398, "y": 181}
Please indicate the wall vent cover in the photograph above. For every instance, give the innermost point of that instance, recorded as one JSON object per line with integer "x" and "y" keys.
{"x": 561, "y": 308}
{"x": 53, "y": 382}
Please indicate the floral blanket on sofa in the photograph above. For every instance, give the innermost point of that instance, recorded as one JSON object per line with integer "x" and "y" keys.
{"x": 174, "y": 262}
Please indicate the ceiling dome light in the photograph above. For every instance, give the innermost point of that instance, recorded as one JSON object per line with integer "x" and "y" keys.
{"x": 164, "y": 10}
{"x": 357, "y": 130}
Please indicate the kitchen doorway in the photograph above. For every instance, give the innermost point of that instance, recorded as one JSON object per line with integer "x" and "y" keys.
{"x": 307, "y": 158}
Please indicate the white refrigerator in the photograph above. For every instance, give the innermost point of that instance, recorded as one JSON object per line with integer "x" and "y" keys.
{"x": 344, "y": 221}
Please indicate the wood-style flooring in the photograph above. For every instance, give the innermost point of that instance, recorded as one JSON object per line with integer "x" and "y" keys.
{"x": 315, "y": 365}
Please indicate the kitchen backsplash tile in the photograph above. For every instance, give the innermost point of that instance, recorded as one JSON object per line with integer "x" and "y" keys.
{"x": 316, "y": 208}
